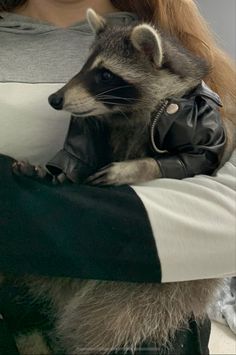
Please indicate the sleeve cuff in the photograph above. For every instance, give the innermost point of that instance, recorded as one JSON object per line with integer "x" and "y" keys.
{"x": 74, "y": 168}
{"x": 171, "y": 167}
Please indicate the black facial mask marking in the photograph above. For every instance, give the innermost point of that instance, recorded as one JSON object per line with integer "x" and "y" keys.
{"x": 109, "y": 88}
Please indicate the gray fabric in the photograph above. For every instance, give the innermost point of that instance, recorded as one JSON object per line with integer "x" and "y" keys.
{"x": 36, "y": 48}
{"x": 224, "y": 309}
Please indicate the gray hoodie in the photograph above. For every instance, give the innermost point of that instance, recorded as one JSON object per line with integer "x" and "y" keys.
{"x": 33, "y": 51}
{"x": 37, "y": 58}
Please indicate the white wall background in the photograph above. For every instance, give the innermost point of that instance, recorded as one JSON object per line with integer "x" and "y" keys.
{"x": 221, "y": 16}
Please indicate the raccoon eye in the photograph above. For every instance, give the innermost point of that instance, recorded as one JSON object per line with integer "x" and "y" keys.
{"x": 106, "y": 75}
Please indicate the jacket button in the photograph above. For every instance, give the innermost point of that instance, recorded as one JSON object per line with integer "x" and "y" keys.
{"x": 172, "y": 108}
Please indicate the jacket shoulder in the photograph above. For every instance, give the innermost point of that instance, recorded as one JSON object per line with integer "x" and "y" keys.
{"x": 204, "y": 91}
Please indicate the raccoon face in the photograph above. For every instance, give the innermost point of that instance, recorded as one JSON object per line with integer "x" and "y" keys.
{"x": 97, "y": 87}
{"x": 131, "y": 68}
{"x": 96, "y": 91}
{"x": 110, "y": 80}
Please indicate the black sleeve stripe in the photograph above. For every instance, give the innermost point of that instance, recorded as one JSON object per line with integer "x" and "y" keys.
{"x": 74, "y": 231}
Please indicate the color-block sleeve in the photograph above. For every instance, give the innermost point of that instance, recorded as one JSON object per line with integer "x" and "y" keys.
{"x": 167, "y": 230}
{"x": 74, "y": 230}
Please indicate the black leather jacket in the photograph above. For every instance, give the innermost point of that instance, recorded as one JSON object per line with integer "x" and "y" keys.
{"x": 186, "y": 138}
{"x": 192, "y": 138}
{"x": 86, "y": 149}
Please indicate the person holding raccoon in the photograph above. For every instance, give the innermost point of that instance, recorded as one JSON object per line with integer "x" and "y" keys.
{"x": 184, "y": 137}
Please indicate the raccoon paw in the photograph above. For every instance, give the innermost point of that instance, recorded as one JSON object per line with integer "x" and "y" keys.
{"x": 126, "y": 173}
{"x": 26, "y": 169}
{"x": 23, "y": 168}
{"x": 113, "y": 174}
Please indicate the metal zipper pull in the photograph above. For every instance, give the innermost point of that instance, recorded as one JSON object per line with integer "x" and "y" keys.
{"x": 154, "y": 123}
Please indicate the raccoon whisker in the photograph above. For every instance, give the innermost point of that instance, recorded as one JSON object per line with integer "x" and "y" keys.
{"x": 113, "y": 89}
{"x": 108, "y": 98}
{"x": 125, "y": 98}
{"x": 123, "y": 114}
{"x": 119, "y": 97}
{"x": 112, "y": 103}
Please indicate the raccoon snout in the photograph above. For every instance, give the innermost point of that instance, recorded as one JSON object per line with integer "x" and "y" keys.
{"x": 56, "y": 101}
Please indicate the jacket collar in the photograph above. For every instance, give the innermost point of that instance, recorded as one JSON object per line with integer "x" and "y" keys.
{"x": 203, "y": 90}
{"x": 200, "y": 90}
{"x": 171, "y": 104}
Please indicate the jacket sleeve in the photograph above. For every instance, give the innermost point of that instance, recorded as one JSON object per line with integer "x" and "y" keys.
{"x": 195, "y": 140}
{"x": 86, "y": 149}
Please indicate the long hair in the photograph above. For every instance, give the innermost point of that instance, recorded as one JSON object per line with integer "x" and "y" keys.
{"x": 183, "y": 20}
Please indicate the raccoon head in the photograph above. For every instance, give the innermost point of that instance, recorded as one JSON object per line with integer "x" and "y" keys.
{"x": 129, "y": 68}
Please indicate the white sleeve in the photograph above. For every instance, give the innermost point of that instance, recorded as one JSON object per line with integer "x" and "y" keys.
{"x": 194, "y": 224}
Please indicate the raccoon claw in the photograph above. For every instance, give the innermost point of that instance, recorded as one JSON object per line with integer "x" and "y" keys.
{"x": 112, "y": 174}
{"x": 24, "y": 168}
{"x": 126, "y": 173}
{"x": 100, "y": 177}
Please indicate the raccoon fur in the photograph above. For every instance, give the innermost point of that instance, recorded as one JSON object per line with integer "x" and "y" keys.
{"x": 147, "y": 66}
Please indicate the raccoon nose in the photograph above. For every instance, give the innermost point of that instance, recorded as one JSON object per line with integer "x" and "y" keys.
{"x": 56, "y": 101}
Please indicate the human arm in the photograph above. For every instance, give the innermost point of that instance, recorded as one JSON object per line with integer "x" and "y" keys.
{"x": 165, "y": 230}
{"x": 195, "y": 230}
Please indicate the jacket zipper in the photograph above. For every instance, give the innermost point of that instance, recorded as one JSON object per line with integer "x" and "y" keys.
{"x": 154, "y": 123}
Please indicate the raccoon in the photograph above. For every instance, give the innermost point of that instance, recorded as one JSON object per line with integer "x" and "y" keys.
{"x": 128, "y": 76}
{"x": 136, "y": 68}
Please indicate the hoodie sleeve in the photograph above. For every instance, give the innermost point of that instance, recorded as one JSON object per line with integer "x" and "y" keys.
{"x": 193, "y": 224}
{"x": 162, "y": 231}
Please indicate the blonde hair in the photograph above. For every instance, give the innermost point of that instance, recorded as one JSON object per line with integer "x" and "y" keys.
{"x": 183, "y": 19}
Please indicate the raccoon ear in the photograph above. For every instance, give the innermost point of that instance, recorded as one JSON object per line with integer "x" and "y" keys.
{"x": 148, "y": 41}
{"x": 96, "y": 22}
